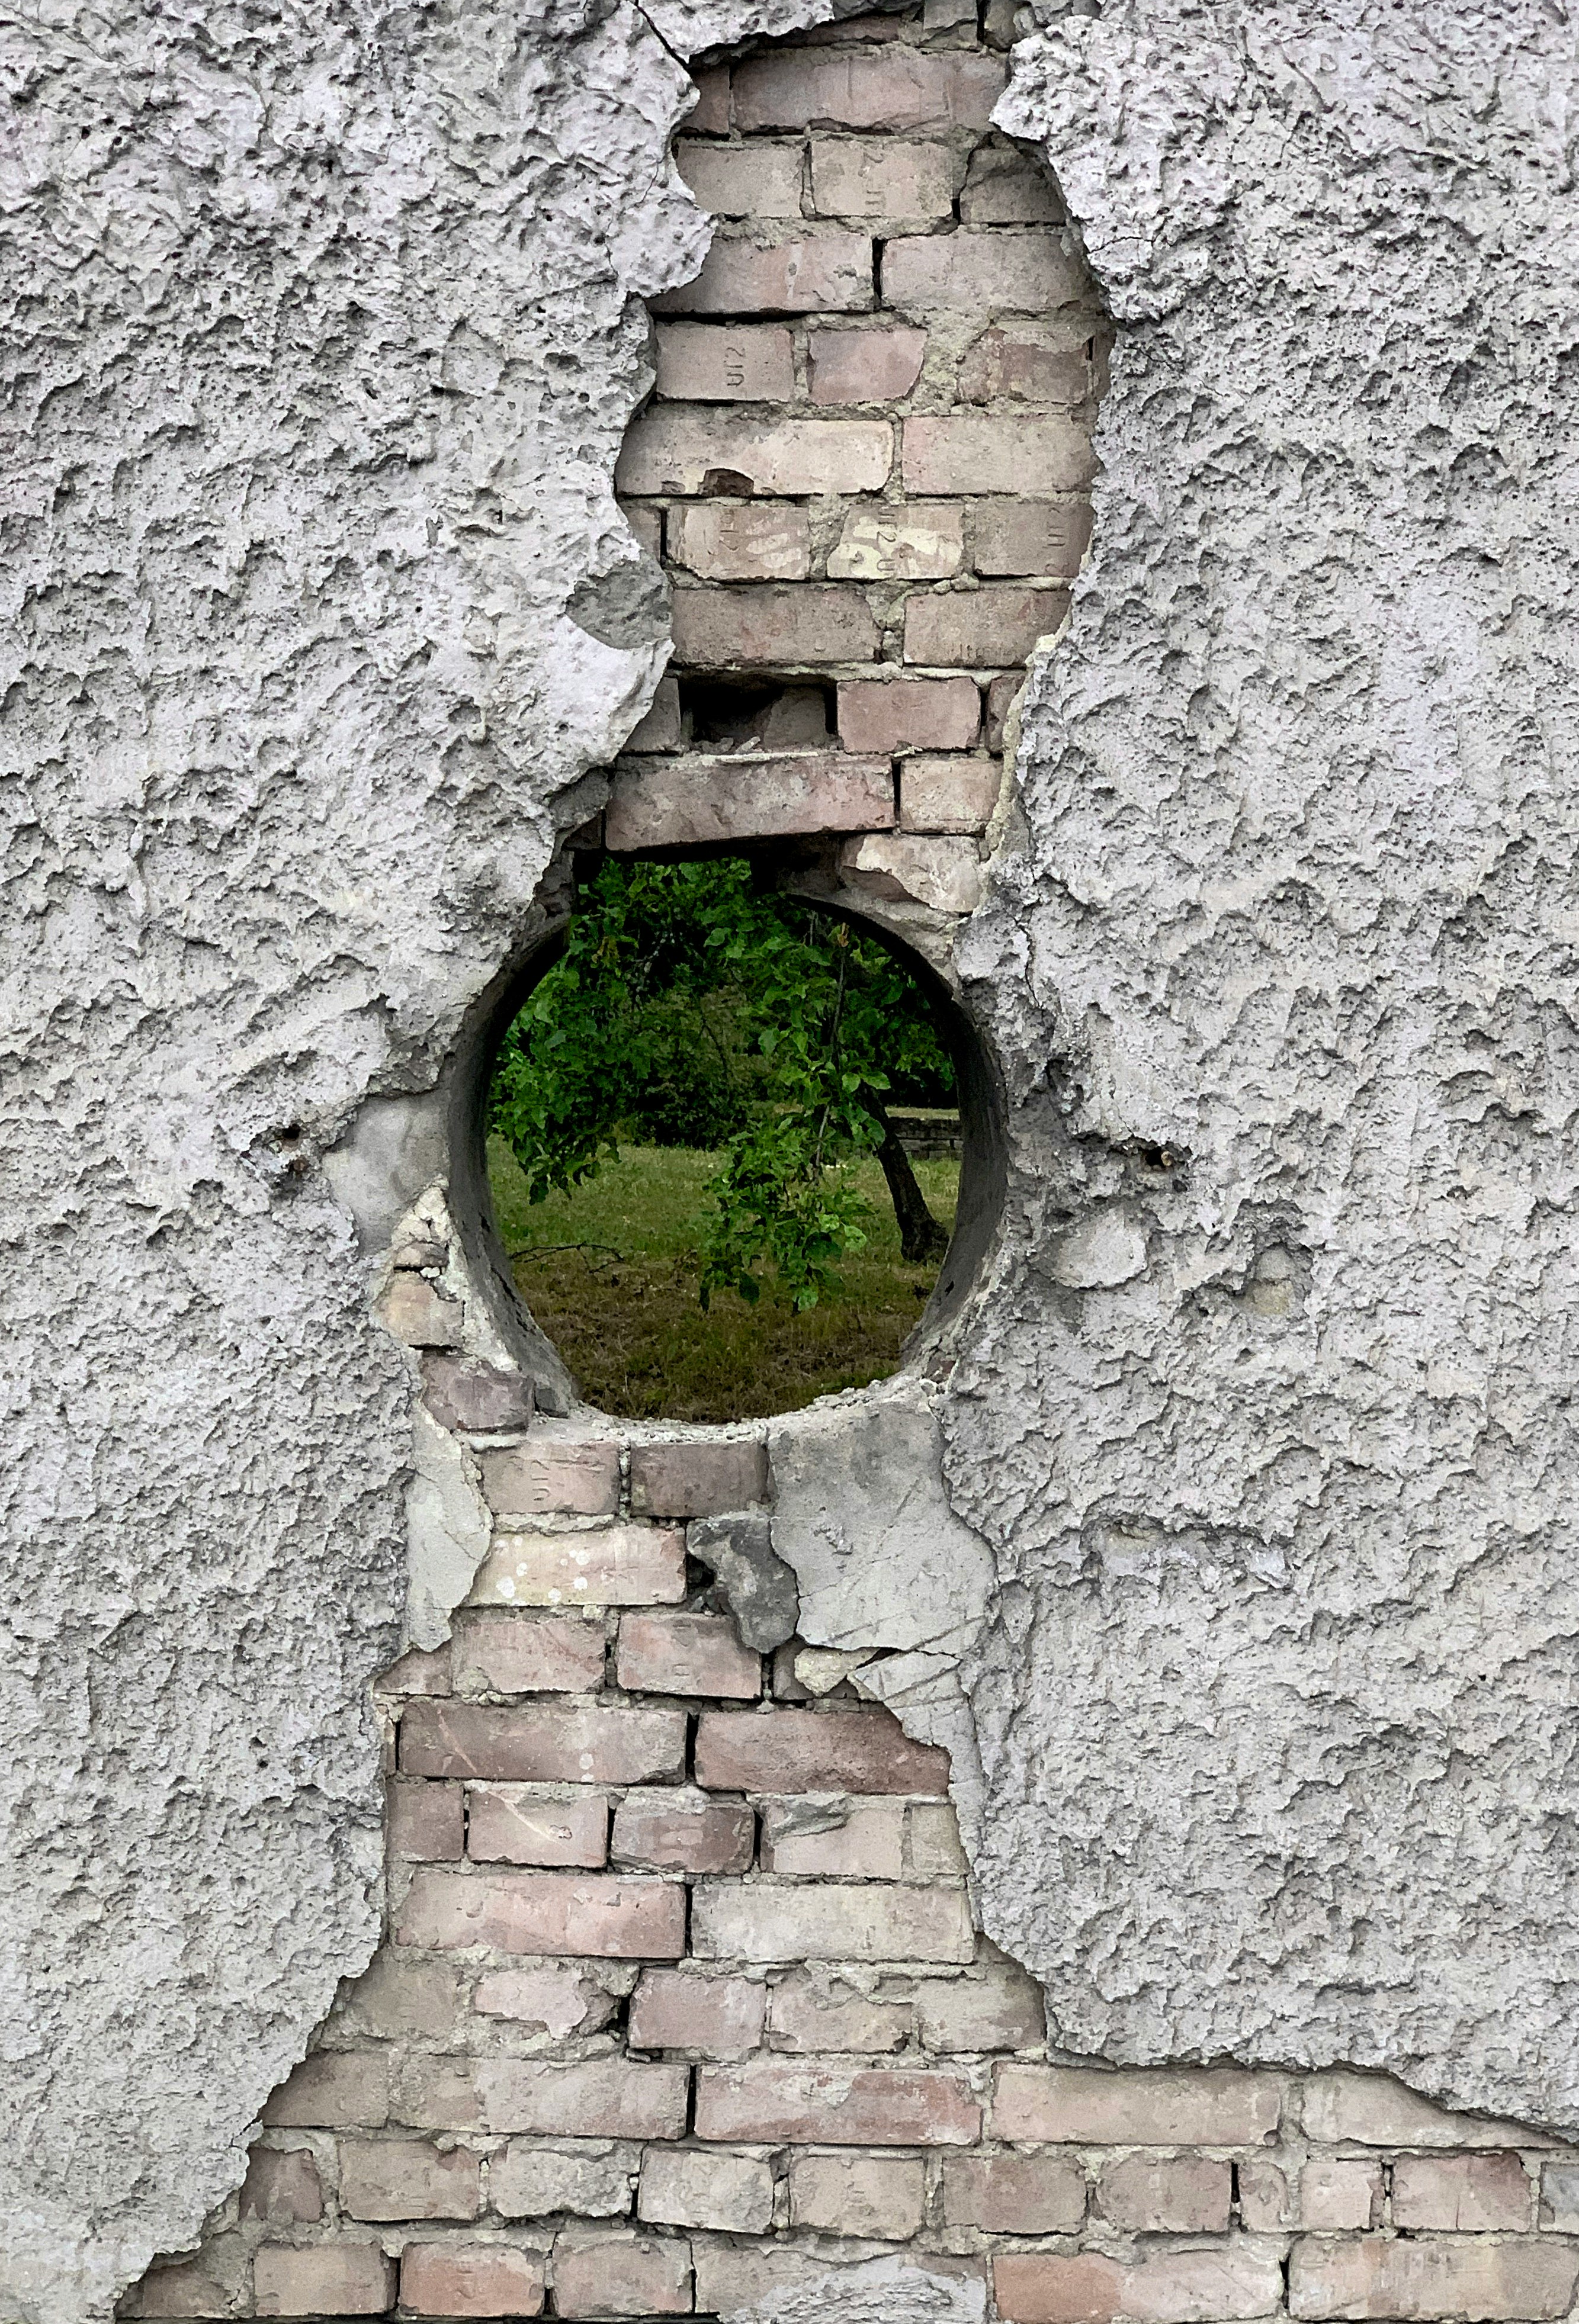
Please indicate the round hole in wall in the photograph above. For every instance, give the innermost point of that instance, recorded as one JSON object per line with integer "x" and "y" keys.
{"x": 740, "y": 1141}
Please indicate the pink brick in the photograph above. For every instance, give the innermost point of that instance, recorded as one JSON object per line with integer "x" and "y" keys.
{"x": 188, "y": 2288}
{"x": 822, "y": 270}
{"x": 1479, "y": 2192}
{"x": 835, "y": 2104}
{"x": 616, "y": 2275}
{"x": 726, "y": 363}
{"x": 875, "y": 365}
{"x": 1022, "y": 364}
{"x": 407, "y": 2178}
{"x": 710, "y": 114}
{"x": 920, "y": 714}
{"x": 1135, "y": 2107}
{"x": 1014, "y": 2194}
{"x": 417, "y": 1673}
{"x": 985, "y": 452}
{"x": 462, "y": 1392}
{"x": 1002, "y": 2010}
{"x": 337, "y": 2279}
{"x": 781, "y": 1751}
{"x": 334, "y": 2089}
{"x": 683, "y": 1832}
{"x": 1421, "y": 2277}
{"x": 504, "y": 1652}
{"x": 1031, "y": 537}
{"x": 698, "y": 801}
{"x": 417, "y": 1313}
{"x": 601, "y": 2097}
{"x": 1371, "y": 2110}
{"x": 841, "y": 1839}
{"x": 825, "y": 2016}
{"x": 836, "y": 1921}
{"x": 282, "y": 2186}
{"x": 743, "y": 182}
{"x": 980, "y": 269}
{"x": 948, "y": 794}
{"x": 733, "y": 540}
{"x": 695, "y": 1478}
{"x": 557, "y": 1996}
{"x": 981, "y": 629}
{"x": 893, "y": 89}
{"x": 511, "y": 1826}
{"x": 881, "y": 2195}
{"x": 604, "y": 1917}
{"x": 610, "y": 1565}
{"x": 461, "y": 2278}
{"x": 426, "y": 1822}
{"x": 688, "y": 449}
{"x": 1336, "y": 2192}
{"x": 711, "y": 2016}
{"x": 1003, "y": 187}
{"x": 553, "y": 1477}
{"x": 701, "y": 2187}
{"x": 662, "y": 728}
{"x": 914, "y": 541}
{"x": 1225, "y": 2284}
{"x": 686, "y": 1654}
{"x": 1145, "y": 2194}
{"x": 881, "y": 178}
{"x": 544, "y": 1743}
{"x": 766, "y": 626}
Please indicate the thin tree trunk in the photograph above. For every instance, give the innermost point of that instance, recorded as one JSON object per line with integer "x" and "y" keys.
{"x": 920, "y": 1235}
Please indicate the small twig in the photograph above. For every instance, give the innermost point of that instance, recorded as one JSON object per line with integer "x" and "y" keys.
{"x": 548, "y": 1250}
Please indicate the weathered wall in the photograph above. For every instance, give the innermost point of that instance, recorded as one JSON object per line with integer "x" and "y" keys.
{"x": 323, "y": 340}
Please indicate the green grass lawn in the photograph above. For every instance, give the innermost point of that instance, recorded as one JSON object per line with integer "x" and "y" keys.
{"x": 621, "y": 1306}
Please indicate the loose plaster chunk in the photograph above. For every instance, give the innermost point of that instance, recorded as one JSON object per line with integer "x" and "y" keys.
{"x": 1225, "y": 2284}
{"x": 898, "y": 89}
{"x": 617, "y": 1565}
{"x": 683, "y": 1832}
{"x": 1135, "y": 2107}
{"x": 786, "y": 2283}
{"x": 685, "y": 2187}
{"x": 711, "y": 2016}
{"x": 726, "y": 363}
{"x": 833, "y": 1921}
{"x": 1421, "y": 2277}
{"x": 981, "y": 628}
{"x": 733, "y": 541}
{"x": 337, "y": 2279}
{"x": 948, "y": 794}
{"x": 604, "y": 1917}
{"x": 819, "y": 270}
{"x": 511, "y": 1653}
{"x": 834, "y": 2104}
{"x": 591, "y": 2179}
{"x": 1014, "y": 2194}
{"x": 944, "y": 874}
{"x": 919, "y": 714}
{"x": 881, "y": 178}
{"x": 553, "y": 1477}
{"x": 542, "y": 1743}
{"x": 873, "y": 365}
{"x": 919, "y": 542}
{"x": 456, "y": 2279}
{"x": 1038, "y": 537}
{"x": 508, "y": 1825}
{"x": 611, "y": 2274}
{"x": 686, "y": 1654}
{"x": 877, "y": 2195}
{"x": 989, "y": 452}
{"x": 694, "y": 1477}
{"x": 772, "y": 627}
{"x": 605, "y": 2097}
{"x": 980, "y": 271}
{"x": 678, "y": 450}
{"x": 777, "y": 1751}
{"x": 743, "y": 182}
{"x": 407, "y": 2178}
{"x": 697, "y": 801}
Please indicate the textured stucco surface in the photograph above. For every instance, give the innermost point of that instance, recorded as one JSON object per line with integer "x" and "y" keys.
{"x": 323, "y": 329}
{"x": 1268, "y": 1416}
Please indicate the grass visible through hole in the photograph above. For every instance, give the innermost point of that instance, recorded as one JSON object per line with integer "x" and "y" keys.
{"x": 626, "y": 1318}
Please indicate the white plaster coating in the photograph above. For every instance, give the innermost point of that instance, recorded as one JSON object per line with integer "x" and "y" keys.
{"x": 1276, "y": 1707}
{"x": 887, "y": 2290}
{"x": 447, "y": 1530}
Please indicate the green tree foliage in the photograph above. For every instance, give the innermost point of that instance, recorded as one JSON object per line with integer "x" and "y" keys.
{"x": 690, "y": 1007}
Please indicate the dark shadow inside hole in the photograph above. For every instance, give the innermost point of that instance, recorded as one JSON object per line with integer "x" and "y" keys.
{"x": 756, "y": 715}
{"x": 743, "y": 1116}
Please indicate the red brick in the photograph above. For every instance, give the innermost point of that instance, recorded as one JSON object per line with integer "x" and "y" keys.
{"x": 918, "y": 714}
{"x": 1003, "y": 2010}
{"x": 881, "y": 2195}
{"x": 553, "y": 1477}
{"x": 601, "y": 2097}
{"x": 875, "y": 365}
{"x": 415, "y": 1312}
{"x": 697, "y": 801}
{"x": 822, "y": 2015}
{"x": 692, "y": 1478}
{"x": 841, "y": 1839}
{"x": 935, "y": 1850}
{"x": 617, "y": 2275}
{"x": 981, "y": 629}
{"x": 827, "y": 2104}
{"x": 1370, "y": 2110}
{"x": 881, "y": 178}
{"x": 743, "y": 182}
{"x": 1021, "y": 363}
{"x": 593, "y": 2178}
{"x": 461, "y": 2278}
{"x": 742, "y": 540}
{"x": 1004, "y": 188}
{"x": 501, "y": 1651}
{"x": 1001, "y": 697}
{"x": 192, "y": 2288}
{"x": 544, "y": 1743}
{"x": 465, "y": 1394}
{"x": 987, "y": 452}
{"x": 337, "y": 2279}
{"x": 712, "y": 2017}
{"x": 282, "y": 2186}
{"x": 683, "y": 1832}
{"x": 915, "y": 540}
{"x": 980, "y": 269}
{"x": 557, "y": 1996}
{"x": 1135, "y": 2107}
{"x": 892, "y": 89}
{"x": 604, "y": 1916}
{"x": 768, "y": 626}
{"x": 426, "y": 1822}
{"x": 1482, "y": 2192}
{"x": 1230, "y": 2281}
{"x": 509, "y": 1826}
{"x": 821, "y": 270}
{"x": 876, "y": 1921}
{"x": 699, "y": 2186}
{"x": 1014, "y": 2194}
{"x": 945, "y": 874}
{"x": 397, "y": 1996}
{"x": 1335, "y": 2191}
{"x": 417, "y": 1673}
{"x": 782, "y": 1751}
{"x": 1031, "y": 537}
{"x": 407, "y": 2178}
{"x": 334, "y": 2089}
{"x": 686, "y": 1654}
{"x": 1147, "y": 2194}
{"x": 1420, "y": 2277}
{"x": 610, "y": 1565}
{"x": 686, "y": 449}
{"x": 948, "y": 794}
